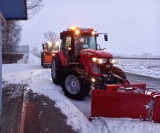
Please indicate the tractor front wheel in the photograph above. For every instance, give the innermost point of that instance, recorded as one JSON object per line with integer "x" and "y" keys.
{"x": 56, "y": 69}
{"x": 43, "y": 61}
{"x": 75, "y": 86}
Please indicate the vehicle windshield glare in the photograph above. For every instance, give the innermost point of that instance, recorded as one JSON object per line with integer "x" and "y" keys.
{"x": 85, "y": 41}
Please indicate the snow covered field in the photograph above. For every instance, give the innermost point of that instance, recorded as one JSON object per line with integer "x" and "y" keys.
{"x": 143, "y": 67}
{"x": 39, "y": 80}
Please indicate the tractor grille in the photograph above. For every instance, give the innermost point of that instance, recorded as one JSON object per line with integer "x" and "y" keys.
{"x": 95, "y": 68}
{"x": 101, "y": 68}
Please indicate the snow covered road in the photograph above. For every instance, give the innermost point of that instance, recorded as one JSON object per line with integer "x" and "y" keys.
{"x": 39, "y": 81}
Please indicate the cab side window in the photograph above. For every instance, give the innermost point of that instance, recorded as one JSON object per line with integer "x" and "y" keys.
{"x": 67, "y": 42}
{"x": 66, "y": 46}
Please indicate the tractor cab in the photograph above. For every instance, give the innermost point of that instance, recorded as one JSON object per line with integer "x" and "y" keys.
{"x": 49, "y": 47}
{"x": 49, "y": 51}
{"x": 75, "y": 39}
{"x": 81, "y": 61}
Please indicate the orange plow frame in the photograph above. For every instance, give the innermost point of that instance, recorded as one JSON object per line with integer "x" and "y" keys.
{"x": 126, "y": 101}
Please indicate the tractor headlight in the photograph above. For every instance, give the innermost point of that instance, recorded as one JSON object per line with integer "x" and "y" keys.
{"x": 112, "y": 61}
{"x": 93, "y": 80}
{"x": 99, "y": 60}
{"x": 94, "y": 59}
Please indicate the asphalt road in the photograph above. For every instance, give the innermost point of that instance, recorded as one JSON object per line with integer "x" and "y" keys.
{"x": 151, "y": 82}
{"x": 41, "y": 116}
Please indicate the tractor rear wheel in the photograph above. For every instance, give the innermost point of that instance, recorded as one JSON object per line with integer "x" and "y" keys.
{"x": 41, "y": 59}
{"x": 56, "y": 69}
{"x": 75, "y": 86}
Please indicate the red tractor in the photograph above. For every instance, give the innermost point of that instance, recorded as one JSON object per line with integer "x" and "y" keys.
{"x": 49, "y": 51}
{"x": 81, "y": 65}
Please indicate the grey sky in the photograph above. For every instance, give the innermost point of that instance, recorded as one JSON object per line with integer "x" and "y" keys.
{"x": 133, "y": 26}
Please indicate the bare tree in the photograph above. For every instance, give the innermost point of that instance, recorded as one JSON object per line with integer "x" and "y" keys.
{"x": 11, "y": 34}
{"x": 35, "y": 50}
{"x": 50, "y": 36}
{"x": 33, "y": 6}
{"x": 11, "y": 31}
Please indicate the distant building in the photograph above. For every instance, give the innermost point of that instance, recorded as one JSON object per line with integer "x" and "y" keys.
{"x": 23, "y": 49}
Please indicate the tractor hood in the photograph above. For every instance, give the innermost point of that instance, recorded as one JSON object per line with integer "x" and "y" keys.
{"x": 97, "y": 53}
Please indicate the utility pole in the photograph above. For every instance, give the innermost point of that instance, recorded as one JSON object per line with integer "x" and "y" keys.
{"x": 2, "y": 20}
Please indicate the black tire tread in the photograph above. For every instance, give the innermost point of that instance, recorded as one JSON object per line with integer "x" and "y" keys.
{"x": 57, "y": 60}
{"x": 84, "y": 84}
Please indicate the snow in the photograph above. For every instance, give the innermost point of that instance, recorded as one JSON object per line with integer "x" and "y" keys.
{"x": 143, "y": 67}
{"x": 39, "y": 81}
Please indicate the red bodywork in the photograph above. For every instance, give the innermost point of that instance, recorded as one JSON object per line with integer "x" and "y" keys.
{"x": 62, "y": 58}
{"x": 49, "y": 51}
{"x": 87, "y": 55}
{"x": 48, "y": 57}
{"x": 132, "y": 101}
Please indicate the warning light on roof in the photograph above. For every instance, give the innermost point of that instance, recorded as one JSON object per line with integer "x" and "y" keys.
{"x": 93, "y": 32}
{"x": 73, "y": 28}
{"x": 49, "y": 44}
{"x": 77, "y": 32}
{"x": 57, "y": 43}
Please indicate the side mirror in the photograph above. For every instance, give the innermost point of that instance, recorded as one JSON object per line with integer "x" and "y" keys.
{"x": 61, "y": 35}
{"x": 106, "y": 37}
{"x": 43, "y": 46}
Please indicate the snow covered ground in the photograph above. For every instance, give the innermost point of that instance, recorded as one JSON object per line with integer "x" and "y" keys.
{"x": 143, "y": 67}
{"x": 39, "y": 80}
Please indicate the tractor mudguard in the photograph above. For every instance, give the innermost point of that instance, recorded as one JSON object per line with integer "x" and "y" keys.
{"x": 122, "y": 104}
{"x": 62, "y": 58}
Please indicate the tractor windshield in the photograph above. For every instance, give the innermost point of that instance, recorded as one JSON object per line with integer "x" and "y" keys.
{"x": 52, "y": 47}
{"x": 55, "y": 48}
{"x": 85, "y": 41}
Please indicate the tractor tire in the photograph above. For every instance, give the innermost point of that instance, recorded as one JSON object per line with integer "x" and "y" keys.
{"x": 119, "y": 73}
{"x": 42, "y": 61}
{"x": 75, "y": 86}
{"x": 56, "y": 69}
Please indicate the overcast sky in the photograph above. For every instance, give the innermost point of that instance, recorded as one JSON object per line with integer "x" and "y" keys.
{"x": 133, "y": 26}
